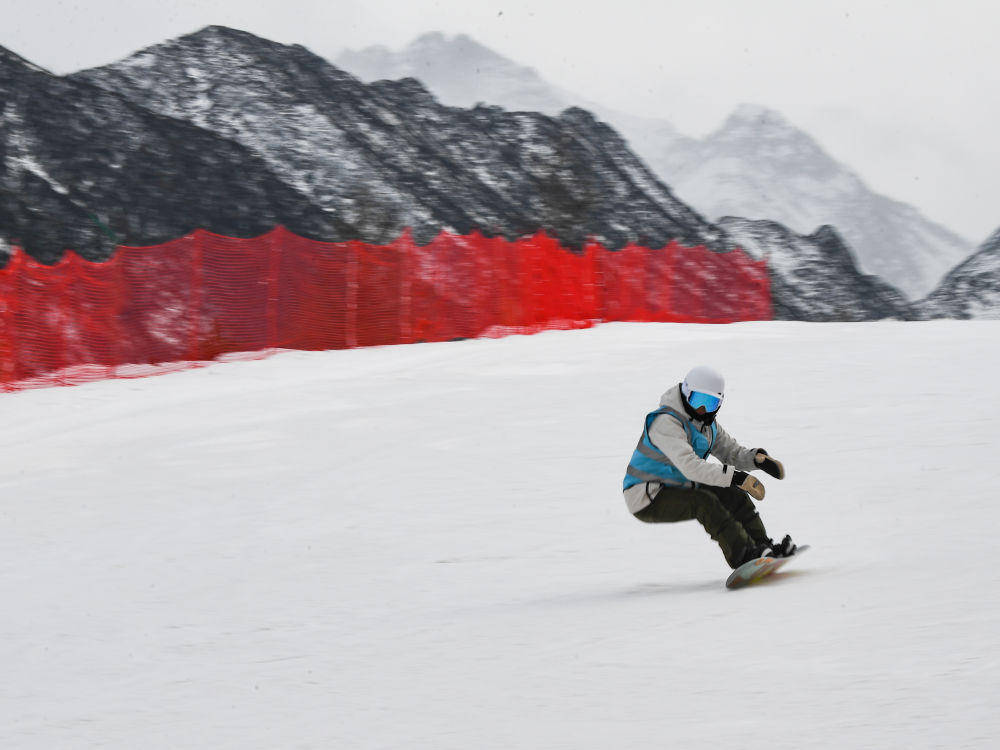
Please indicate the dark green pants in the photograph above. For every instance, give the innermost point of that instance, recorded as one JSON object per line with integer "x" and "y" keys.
{"x": 727, "y": 513}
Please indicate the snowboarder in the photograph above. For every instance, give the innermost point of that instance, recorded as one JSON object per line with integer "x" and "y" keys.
{"x": 669, "y": 478}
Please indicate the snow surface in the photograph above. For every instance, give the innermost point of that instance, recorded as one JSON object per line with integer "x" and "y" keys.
{"x": 426, "y": 547}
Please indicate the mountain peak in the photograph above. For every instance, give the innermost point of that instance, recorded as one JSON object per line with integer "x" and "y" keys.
{"x": 753, "y": 117}
{"x": 209, "y": 39}
{"x": 750, "y": 111}
{"x": 226, "y": 48}
{"x": 217, "y": 37}
{"x": 429, "y": 38}
{"x": 438, "y": 39}
{"x": 459, "y": 70}
{"x": 216, "y": 32}
{"x": 828, "y": 234}
{"x": 228, "y": 32}
{"x": 435, "y": 45}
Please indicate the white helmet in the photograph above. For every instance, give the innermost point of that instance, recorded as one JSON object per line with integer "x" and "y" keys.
{"x": 708, "y": 387}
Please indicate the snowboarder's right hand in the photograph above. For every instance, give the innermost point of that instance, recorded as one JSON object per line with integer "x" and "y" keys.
{"x": 748, "y": 484}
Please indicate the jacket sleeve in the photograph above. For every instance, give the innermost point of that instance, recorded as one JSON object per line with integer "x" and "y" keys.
{"x": 727, "y": 450}
{"x": 668, "y": 435}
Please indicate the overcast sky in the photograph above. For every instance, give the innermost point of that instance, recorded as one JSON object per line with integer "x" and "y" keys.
{"x": 905, "y": 93}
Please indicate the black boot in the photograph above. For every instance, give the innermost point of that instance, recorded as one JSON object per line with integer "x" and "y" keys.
{"x": 784, "y": 548}
{"x": 753, "y": 551}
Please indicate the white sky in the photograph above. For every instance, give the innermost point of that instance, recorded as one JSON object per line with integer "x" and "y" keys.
{"x": 905, "y": 93}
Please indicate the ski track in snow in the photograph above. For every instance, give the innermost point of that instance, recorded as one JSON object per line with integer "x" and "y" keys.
{"x": 426, "y": 546}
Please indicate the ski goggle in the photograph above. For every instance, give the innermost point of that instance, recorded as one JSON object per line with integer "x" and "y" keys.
{"x": 710, "y": 401}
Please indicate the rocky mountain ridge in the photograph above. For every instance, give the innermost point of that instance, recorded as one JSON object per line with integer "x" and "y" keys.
{"x": 388, "y": 155}
{"x": 971, "y": 289}
{"x": 755, "y": 165}
{"x": 461, "y": 72}
{"x": 83, "y": 168}
{"x": 759, "y": 165}
{"x": 307, "y": 143}
{"x": 815, "y": 277}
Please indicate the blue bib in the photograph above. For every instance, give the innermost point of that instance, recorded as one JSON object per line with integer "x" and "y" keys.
{"x": 649, "y": 464}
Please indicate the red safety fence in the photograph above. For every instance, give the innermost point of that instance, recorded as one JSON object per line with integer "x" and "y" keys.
{"x": 203, "y": 297}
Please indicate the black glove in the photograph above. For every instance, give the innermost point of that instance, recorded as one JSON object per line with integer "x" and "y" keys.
{"x": 748, "y": 484}
{"x": 772, "y": 466}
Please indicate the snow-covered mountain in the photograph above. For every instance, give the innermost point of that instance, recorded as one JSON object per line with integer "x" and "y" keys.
{"x": 815, "y": 277}
{"x": 361, "y": 160}
{"x": 761, "y": 166}
{"x": 756, "y": 165}
{"x": 971, "y": 289}
{"x": 387, "y": 155}
{"x": 83, "y": 168}
{"x": 461, "y": 72}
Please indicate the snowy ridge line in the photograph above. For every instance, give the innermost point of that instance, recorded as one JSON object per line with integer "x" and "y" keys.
{"x": 204, "y": 295}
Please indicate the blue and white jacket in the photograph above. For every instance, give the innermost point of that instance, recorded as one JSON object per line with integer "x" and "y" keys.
{"x": 674, "y": 450}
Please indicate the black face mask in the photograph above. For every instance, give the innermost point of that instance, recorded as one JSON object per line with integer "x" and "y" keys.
{"x": 707, "y": 418}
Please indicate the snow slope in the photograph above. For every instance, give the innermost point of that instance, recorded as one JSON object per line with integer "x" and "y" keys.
{"x": 426, "y": 547}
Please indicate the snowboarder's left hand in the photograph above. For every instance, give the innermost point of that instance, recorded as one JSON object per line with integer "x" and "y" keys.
{"x": 772, "y": 466}
{"x": 751, "y": 485}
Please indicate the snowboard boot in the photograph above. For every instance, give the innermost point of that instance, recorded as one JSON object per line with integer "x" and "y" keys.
{"x": 784, "y": 548}
{"x": 752, "y": 552}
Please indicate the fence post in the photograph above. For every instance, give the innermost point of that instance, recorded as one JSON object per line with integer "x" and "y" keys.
{"x": 589, "y": 286}
{"x": 275, "y": 247}
{"x": 473, "y": 250}
{"x": 8, "y": 367}
{"x": 353, "y": 262}
{"x": 600, "y": 283}
{"x": 67, "y": 266}
{"x": 197, "y": 294}
{"x": 404, "y": 246}
{"x": 486, "y": 267}
{"x": 123, "y": 345}
{"x": 766, "y": 307}
{"x": 666, "y": 284}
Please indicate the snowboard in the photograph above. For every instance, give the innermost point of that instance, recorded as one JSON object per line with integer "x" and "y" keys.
{"x": 759, "y": 568}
